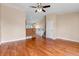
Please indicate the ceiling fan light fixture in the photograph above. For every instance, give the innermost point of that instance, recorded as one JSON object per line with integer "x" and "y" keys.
{"x": 39, "y": 10}
{"x": 40, "y": 7}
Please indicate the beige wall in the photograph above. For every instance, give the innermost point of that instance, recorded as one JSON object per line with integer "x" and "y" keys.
{"x": 0, "y": 29}
{"x": 51, "y": 25}
{"x": 13, "y": 24}
{"x": 68, "y": 26}
{"x": 64, "y": 26}
{"x": 0, "y": 22}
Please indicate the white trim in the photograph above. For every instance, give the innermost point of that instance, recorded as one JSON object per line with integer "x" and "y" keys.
{"x": 64, "y": 38}
{"x": 28, "y": 37}
{"x": 13, "y": 40}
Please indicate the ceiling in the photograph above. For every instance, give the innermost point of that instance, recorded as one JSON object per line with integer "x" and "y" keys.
{"x": 57, "y": 8}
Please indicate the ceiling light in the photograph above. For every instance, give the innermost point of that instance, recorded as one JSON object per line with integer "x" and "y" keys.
{"x": 39, "y": 9}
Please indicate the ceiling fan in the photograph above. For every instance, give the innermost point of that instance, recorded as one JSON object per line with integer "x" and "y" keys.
{"x": 40, "y": 7}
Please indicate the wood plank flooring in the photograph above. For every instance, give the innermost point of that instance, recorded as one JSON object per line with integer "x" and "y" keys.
{"x": 40, "y": 47}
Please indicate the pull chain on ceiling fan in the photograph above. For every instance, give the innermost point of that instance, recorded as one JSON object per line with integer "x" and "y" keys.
{"x": 40, "y": 7}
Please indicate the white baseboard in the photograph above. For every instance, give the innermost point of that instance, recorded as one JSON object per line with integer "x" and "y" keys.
{"x": 28, "y": 37}
{"x": 64, "y": 38}
{"x": 51, "y": 37}
{"x": 13, "y": 40}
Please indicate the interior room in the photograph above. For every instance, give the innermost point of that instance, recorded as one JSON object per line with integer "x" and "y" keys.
{"x": 39, "y": 29}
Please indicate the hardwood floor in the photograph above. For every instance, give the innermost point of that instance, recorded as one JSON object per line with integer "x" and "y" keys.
{"x": 40, "y": 47}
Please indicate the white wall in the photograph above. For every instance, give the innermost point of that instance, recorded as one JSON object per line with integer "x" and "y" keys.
{"x": 51, "y": 26}
{"x": 0, "y": 29}
{"x": 0, "y": 23}
{"x": 12, "y": 24}
{"x": 63, "y": 26}
{"x": 68, "y": 26}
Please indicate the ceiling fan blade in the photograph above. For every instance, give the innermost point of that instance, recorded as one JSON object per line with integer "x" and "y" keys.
{"x": 46, "y": 6}
{"x": 32, "y": 6}
{"x": 43, "y": 10}
{"x": 35, "y": 11}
